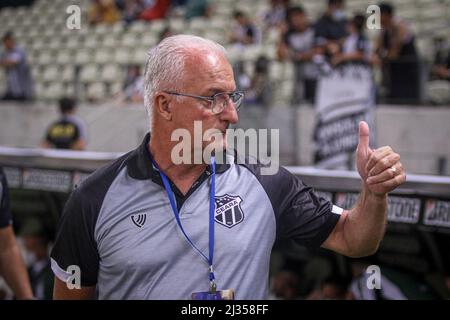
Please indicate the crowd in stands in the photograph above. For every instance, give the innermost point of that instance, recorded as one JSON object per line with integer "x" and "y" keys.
{"x": 311, "y": 46}
{"x": 112, "y": 11}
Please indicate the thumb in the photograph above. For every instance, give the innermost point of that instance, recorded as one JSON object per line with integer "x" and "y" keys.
{"x": 363, "y": 141}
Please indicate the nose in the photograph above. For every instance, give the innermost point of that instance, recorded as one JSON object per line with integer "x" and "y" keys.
{"x": 229, "y": 113}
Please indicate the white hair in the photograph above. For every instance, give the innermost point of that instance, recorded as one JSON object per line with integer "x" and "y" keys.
{"x": 166, "y": 61}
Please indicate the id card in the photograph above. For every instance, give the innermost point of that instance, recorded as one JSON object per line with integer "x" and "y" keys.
{"x": 218, "y": 295}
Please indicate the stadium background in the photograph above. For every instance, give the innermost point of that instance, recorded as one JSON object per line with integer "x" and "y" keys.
{"x": 91, "y": 64}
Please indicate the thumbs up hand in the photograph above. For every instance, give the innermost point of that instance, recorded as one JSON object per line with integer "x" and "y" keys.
{"x": 380, "y": 169}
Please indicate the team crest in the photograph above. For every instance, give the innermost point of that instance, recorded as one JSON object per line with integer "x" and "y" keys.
{"x": 228, "y": 210}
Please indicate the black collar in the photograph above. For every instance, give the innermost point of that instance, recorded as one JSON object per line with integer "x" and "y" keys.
{"x": 140, "y": 166}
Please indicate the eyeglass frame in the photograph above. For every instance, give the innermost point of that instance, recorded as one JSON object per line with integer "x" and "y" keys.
{"x": 211, "y": 98}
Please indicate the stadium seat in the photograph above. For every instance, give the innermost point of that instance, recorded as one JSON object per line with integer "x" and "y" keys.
{"x": 74, "y": 42}
{"x": 110, "y": 40}
{"x": 102, "y": 55}
{"x": 158, "y": 25}
{"x": 199, "y": 24}
{"x": 68, "y": 73}
{"x": 96, "y": 91}
{"x": 177, "y": 24}
{"x": 45, "y": 58}
{"x": 217, "y": 36}
{"x": 117, "y": 29}
{"x": 148, "y": 39}
{"x": 54, "y": 91}
{"x": 129, "y": 40}
{"x": 139, "y": 56}
{"x": 139, "y": 26}
{"x": 51, "y": 73}
{"x": 83, "y": 56}
{"x": 65, "y": 57}
{"x": 116, "y": 87}
{"x": 122, "y": 55}
{"x": 92, "y": 41}
{"x": 252, "y": 52}
{"x": 110, "y": 73}
{"x": 89, "y": 73}
{"x": 276, "y": 70}
{"x": 101, "y": 29}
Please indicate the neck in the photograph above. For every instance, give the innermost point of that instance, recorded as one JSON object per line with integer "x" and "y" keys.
{"x": 183, "y": 175}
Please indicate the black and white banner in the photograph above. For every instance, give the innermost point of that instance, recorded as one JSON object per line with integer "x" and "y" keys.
{"x": 344, "y": 97}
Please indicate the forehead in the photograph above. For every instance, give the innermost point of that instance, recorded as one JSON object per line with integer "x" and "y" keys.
{"x": 206, "y": 70}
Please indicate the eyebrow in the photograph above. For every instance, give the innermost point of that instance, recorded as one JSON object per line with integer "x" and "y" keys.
{"x": 215, "y": 90}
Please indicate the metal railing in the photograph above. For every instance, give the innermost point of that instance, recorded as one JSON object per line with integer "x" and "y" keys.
{"x": 422, "y": 200}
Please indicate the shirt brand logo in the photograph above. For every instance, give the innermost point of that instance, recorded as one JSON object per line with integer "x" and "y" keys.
{"x": 228, "y": 210}
{"x": 139, "y": 219}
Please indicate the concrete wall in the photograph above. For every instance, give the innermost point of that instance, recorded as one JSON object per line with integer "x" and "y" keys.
{"x": 420, "y": 134}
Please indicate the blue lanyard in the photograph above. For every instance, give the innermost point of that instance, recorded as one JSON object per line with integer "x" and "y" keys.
{"x": 211, "y": 217}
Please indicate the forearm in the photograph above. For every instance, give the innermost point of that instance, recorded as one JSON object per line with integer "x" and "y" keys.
{"x": 13, "y": 270}
{"x": 366, "y": 223}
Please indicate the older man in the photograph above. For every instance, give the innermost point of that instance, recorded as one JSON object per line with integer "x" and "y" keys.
{"x": 145, "y": 228}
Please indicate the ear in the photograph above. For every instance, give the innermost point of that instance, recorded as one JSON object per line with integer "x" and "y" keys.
{"x": 162, "y": 105}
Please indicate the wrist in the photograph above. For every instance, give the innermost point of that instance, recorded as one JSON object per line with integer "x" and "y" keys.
{"x": 374, "y": 195}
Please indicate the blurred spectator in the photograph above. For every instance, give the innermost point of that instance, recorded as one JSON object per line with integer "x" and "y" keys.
{"x": 441, "y": 62}
{"x": 285, "y": 286}
{"x": 244, "y": 32}
{"x": 69, "y": 132}
{"x": 103, "y": 11}
{"x": 198, "y": 8}
{"x": 260, "y": 90}
{"x": 241, "y": 77}
{"x": 333, "y": 288}
{"x": 360, "y": 290}
{"x": 297, "y": 45}
{"x": 331, "y": 28}
{"x": 131, "y": 9}
{"x": 396, "y": 40}
{"x": 18, "y": 76}
{"x": 178, "y": 3}
{"x": 356, "y": 46}
{"x": 40, "y": 272}
{"x": 154, "y": 9}
{"x": 275, "y": 15}
{"x": 439, "y": 86}
{"x": 133, "y": 86}
{"x": 397, "y": 51}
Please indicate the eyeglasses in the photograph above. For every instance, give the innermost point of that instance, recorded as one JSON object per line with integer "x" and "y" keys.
{"x": 219, "y": 101}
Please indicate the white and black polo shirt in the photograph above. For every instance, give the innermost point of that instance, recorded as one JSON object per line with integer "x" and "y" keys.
{"x": 119, "y": 228}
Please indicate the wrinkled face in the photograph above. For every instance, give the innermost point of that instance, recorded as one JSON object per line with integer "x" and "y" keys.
{"x": 205, "y": 74}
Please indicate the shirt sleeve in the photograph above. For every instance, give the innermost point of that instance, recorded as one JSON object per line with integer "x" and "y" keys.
{"x": 82, "y": 129}
{"x": 301, "y": 214}
{"x": 5, "y": 211}
{"x": 75, "y": 244}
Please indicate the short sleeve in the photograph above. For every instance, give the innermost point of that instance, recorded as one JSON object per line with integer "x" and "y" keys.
{"x": 75, "y": 243}
{"x": 301, "y": 214}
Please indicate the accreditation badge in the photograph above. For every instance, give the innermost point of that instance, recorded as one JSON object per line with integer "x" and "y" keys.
{"x": 216, "y": 295}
